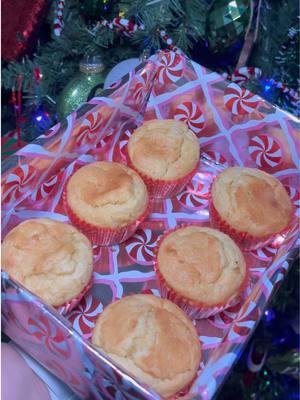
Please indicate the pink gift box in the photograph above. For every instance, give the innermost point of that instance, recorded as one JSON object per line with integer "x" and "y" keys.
{"x": 33, "y": 181}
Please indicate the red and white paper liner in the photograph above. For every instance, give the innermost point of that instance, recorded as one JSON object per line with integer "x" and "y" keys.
{"x": 246, "y": 241}
{"x": 195, "y": 310}
{"x": 104, "y": 236}
{"x": 71, "y": 304}
{"x": 161, "y": 188}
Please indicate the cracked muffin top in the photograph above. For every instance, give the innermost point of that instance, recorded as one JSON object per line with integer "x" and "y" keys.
{"x": 252, "y": 201}
{"x": 152, "y": 339}
{"x": 51, "y": 259}
{"x": 107, "y": 194}
{"x": 164, "y": 149}
{"x": 202, "y": 264}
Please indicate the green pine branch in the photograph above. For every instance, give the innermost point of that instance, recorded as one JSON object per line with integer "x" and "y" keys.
{"x": 183, "y": 20}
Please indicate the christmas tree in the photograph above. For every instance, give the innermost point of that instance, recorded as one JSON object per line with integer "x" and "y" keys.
{"x": 216, "y": 33}
{"x": 212, "y": 32}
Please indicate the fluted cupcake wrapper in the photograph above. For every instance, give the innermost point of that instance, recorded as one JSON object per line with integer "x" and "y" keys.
{"x": 104, "y": 236}
{"x": 71, "y": 304}
{"x": 160, "y": 188}
{"x": 244, "y": 240}
{"x": 195, "y": 310}
{"x": 184, "y": 391}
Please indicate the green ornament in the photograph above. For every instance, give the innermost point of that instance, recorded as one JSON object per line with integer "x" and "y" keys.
{"x": 226, "y": 23}
{"x": 78, "y": 90}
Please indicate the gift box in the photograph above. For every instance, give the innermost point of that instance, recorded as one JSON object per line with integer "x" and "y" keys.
{"x": 167, "y": 86}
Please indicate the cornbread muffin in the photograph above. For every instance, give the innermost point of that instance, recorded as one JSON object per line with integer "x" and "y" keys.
{"x": 107, "y": 194}
{"x": 164, "y": 152}
{"x": 152, "y": 339}
{"x": 51, "y": 259}
{"x": 201, "y": 265}
{"x": 164, "y": 149}
{"x": 251, "y": 201}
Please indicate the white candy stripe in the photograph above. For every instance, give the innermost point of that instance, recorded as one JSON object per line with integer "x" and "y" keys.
{"x": 259, "y": 140}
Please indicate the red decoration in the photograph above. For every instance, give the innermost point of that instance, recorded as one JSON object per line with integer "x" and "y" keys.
{"x": 58, "y": 24}
{"x": 37, "y": 75}
{"x": 17, "y": 102}
{"x": 20, "y": 23}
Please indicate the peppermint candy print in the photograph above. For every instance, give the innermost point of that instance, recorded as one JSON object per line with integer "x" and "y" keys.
{"x": 190, "y": 113}
{"x": 45, "y": 188}
{"x": 244, "y": 323}
{"x": 75, "y": 382}
{"x": 115, "y": 386}
{"x": 141, "y": 245}
{"x": 170, "y": 68}
{"x": 147, "y": 79}
{"x": 18, "y": 183}
{"x": 196, "y": 194}
{"x": 106, "y": 138}
{"x": 139, "y": 90}
{"x": 58, "y": 368}
{"x": 266, "y": 253}
{"x": 83, "y": 318}
{"x": 218, "y": 158}
{"x": 123, "y": 142}
{"x": 294, "y": 195}
{"x": 50, "y": 335}
{"x": 238, "y": 100}
{"x": 226, "y": 317}
{"x": 89, "y": 129}
{"x": 265, "y": 151}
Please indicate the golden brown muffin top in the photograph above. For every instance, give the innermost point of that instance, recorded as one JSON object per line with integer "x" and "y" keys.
{"x": 51, "y": 259}
{"x": 164, "y": 149}
{"x": 251, "y": 201}
{"x": 201, "y": 264}
{"x": 107, "y": 194}
{"x": 152, "y": 338}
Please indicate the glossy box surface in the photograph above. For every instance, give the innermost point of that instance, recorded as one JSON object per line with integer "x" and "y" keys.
{"x": 234, "y": 128}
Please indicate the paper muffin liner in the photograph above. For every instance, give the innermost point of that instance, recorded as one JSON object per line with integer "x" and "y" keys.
{"x": 185, "y": 390}
{"x": 104, "y": 236}
{"x": 246, "y": 241}
{"x": 161, "y": 188}
{"x": 195, "y": 310}
{"x": 71, "y": 304}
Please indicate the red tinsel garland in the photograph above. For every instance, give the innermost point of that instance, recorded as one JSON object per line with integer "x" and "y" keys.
{"x": 20, "y": 22}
